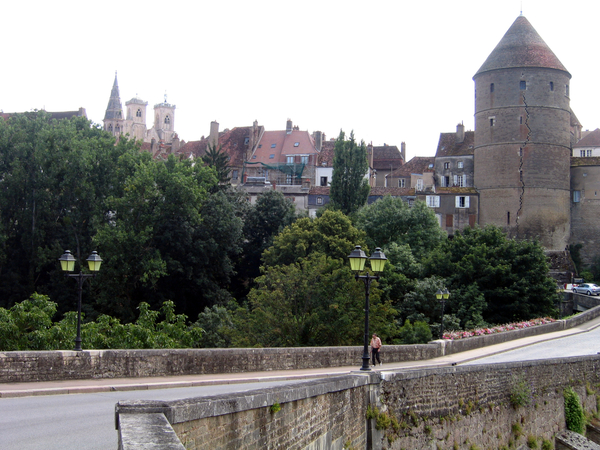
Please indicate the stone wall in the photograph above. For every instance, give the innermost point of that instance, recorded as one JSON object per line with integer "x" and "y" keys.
{"x": 461, "y": 407}
{"x": 89, "y": 364}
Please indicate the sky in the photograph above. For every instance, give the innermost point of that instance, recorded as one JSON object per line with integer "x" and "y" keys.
{"x": 390, "y": 71}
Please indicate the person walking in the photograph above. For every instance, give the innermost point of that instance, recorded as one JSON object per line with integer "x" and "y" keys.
{"x": 375, "y": 346}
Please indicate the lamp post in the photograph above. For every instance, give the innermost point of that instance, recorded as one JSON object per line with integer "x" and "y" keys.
{"x": 442, "y": 296}
{"x": 67, "y": 264}
{"x": 357, "y": 264}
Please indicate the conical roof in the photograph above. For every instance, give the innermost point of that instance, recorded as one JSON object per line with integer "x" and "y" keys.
{"x": 521, "y": 46}
{"x": 114, "y": 110}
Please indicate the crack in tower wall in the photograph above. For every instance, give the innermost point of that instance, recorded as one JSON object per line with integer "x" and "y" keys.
{"x": 521, "y": 152}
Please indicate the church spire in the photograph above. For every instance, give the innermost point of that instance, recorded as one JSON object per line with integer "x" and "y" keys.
{"x": 114, "y": 110}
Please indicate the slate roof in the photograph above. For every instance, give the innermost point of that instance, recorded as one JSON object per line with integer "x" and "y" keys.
{"x": 521, "y": 46}
{"x": 114, "y": 110}
{"x": 447, "y": 145}
{"x": 418, "y": 164}
{"x": 591, "y": 139}
{"x": 386, "y": 156}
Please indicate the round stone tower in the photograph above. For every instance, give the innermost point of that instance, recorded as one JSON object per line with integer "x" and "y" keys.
{"x": 523, "y": 138}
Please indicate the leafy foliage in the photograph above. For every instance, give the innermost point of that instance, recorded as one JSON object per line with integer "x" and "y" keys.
{"x": 574, "y": 415}
{"x": 349, "y": 187}
{"x": 512, "y": 276}
{"x": 28, "y": 326}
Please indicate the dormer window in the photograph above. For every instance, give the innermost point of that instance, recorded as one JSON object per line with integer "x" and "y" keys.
{"x": 246, "y": 141}
{"x": 296, "y": 144}
{"x": 273, "y": 145}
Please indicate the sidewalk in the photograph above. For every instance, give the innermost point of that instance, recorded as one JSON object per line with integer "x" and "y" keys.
{"x": 130, "y": 384}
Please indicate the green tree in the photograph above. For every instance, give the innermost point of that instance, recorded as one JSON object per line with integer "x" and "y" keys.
{"x": 349, "y": 187}
{"x": 264, "y": 220}
{"x": 56, "y": 177}
{"x": 219, "y": 160}
{"x": 391, "y": 220}
{"x": 512, "y": 275}
{"x": 332, "y": 234}
{"x": 313, "y": 302}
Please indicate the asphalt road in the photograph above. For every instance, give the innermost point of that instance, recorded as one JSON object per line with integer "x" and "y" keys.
{"x": 576, "y": 345}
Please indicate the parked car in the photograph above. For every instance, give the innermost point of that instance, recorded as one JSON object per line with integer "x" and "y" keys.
{"x": 587, "y": 288}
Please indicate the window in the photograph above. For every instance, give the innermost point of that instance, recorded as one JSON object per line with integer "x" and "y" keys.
{"x": 401, "y": 182}
{"x": 433, "y": 201}
{"x": 462, "y": 202}
{"x": 567, "y": 90}
{"x": 460, "y": 165}
{"x": 253, "y": 156}
{"x": 420, "y": 184}
{"x": 492, "y": 121}
{"x": 273, "y": 145}
{"x": 323, "y": 181}
{"x": 272, "y": 156}
{"x": 459, "y": 180}
{"x": 492, "y": 87}
{"x": 290, "y": 160}
{"x": 138, "y": 113}
{"x": 576, "y": 196}
{"x": 304, "y": 160}
{"x": 319, "y": 200}
{"x": 507, "y": 217}
{"x": 446, "y": 181}
{"x": 582, "y": 153}
{"x": 589, "y": 153}
{"x": 234, "y": 174}
{"x": 446, "y": 165}
{"x": 246, "y": 141}
{"x": 551, "y": 85}
{"x": 523, "y": 85}
{"x": 520, "y": 120}
{"x": 296, "y": 144}
{"x": 167, "y": 119}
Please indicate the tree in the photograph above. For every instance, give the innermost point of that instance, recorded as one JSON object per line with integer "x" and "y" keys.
{"x": 349, "y": 187}
{"x": 313, "y": 302}
{"x": 332, "y": 234}
{"x": 391, "y": 220}
{"x": 511, "y": 274}
{"x": 219, "y": 160}
{"x": 263, "y": 220}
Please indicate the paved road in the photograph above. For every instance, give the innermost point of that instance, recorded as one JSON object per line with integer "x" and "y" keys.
{"x": 577, "y": 345}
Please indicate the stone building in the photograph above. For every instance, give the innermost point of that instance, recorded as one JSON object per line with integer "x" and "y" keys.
{"x": 523, "y": 139}
{"x": 161, "y": 139}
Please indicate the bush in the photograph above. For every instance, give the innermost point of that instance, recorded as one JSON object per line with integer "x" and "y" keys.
{"x": 574, "y": 415}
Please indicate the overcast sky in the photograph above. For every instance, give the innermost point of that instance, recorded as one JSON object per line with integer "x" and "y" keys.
{"x": 392, "y": 71}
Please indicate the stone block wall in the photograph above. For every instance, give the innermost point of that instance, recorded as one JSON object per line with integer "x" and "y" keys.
{"x": 461, "y": 407}
{"x": 321, "y": 414}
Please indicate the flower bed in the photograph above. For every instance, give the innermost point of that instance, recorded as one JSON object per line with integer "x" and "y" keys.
{"x": 453, "y": 335}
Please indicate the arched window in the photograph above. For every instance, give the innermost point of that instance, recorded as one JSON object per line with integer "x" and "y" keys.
{"x": 138, "y": 113}
{"x": 110, "y": 128}
{"x": 167, "y": 119}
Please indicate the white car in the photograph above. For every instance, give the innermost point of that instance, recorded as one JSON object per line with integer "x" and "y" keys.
{"x": 587, "y": 288}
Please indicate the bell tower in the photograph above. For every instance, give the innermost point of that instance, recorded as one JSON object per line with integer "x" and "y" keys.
{"x": 523, "y": 138}
{"x": 164, "y": 120}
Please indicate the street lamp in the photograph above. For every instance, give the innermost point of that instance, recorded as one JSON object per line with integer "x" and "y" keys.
{"x": 442, "y": 296}
{"x": 357, "y": 264}
{"x": 67, "y": 264}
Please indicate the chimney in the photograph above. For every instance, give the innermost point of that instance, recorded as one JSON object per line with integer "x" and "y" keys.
{"x": 213, "y": 137}
{"x": 288, "y": 126}
{"x": 318, "y": 140}
{"x": 460, "y": 133}
{"x": 403, "y": 151}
